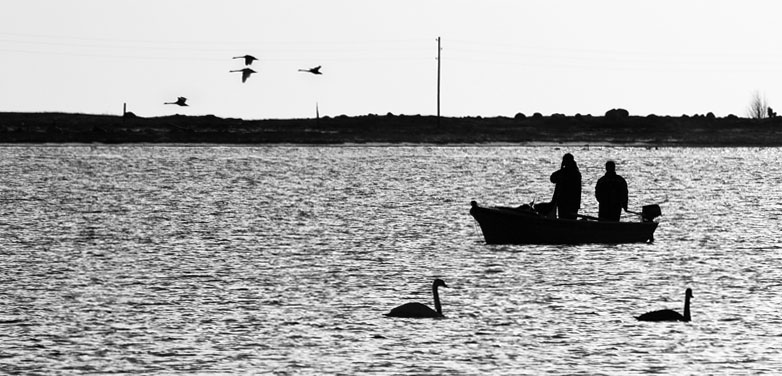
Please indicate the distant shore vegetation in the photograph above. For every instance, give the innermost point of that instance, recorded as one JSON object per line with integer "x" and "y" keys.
{"x": 616, "y": 126}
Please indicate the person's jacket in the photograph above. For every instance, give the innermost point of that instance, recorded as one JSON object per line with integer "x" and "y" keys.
{"x": 567, "y": 193}
{"x": 611, "y": 191}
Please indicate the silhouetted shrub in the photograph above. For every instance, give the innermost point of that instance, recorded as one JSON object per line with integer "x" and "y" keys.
{"x": 520, "y": 116}
{"x": 617, "y": 114}
{"x": 537, "y": 115}
{"x": 731, "y": 117}
{"x": 710, "y": 116}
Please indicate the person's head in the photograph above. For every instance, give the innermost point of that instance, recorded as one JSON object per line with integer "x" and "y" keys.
{"x": 568, "y": 160}
{"x": 610, "y": 166}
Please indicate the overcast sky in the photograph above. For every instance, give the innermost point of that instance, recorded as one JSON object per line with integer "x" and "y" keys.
{"x": 499, "y": 58}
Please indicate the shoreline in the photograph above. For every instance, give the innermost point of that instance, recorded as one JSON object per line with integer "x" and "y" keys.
{"x": 610, "y": 130}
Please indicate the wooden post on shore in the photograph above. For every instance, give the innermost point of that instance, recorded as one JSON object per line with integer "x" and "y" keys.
{"x": 124, "y": 109}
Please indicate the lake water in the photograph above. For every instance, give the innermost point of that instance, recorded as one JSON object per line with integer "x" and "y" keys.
{"x": 283, "y": 260}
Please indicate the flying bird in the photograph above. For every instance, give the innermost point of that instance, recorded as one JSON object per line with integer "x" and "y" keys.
{"x": 248, "y": 59}
{"x": 315, "y": 70}
{"x": 246, "y": 72}
{"x": 180, "y": 101}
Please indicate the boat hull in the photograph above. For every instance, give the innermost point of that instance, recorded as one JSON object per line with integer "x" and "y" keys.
{"x": 502, "y": 225}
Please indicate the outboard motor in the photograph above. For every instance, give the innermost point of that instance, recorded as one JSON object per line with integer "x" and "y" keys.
{"x": 650, "y": 212}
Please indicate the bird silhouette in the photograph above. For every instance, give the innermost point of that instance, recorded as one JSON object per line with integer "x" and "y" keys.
{"x": 180, "y": 101}
{"x": 248, "y": 59}
{"x": 669, "y": 315}
{"x": 246, "y": 72}
{"x": 417, "y": 310}
{"x": 315, "y": 70}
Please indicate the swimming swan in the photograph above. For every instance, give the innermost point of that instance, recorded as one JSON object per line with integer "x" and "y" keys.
{"x": 667, "y": 314}
{"x": 418, "y": 309}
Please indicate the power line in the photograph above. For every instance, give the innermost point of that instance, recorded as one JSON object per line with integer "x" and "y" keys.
{"x": 400, "y": 50}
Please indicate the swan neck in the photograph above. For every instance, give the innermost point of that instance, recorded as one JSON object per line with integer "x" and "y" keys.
{"x": 437, "y": 306}
{"x": 687, "y": 308}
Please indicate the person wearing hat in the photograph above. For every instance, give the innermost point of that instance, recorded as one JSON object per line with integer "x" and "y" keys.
{"x": 611, "y": 194}
{"x": 567, "y": 192}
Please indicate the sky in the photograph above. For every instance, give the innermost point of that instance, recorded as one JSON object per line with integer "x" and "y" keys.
{"x": 498, "y": 58}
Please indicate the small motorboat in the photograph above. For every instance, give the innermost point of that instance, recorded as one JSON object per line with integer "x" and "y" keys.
{"x": 534, "y": 224}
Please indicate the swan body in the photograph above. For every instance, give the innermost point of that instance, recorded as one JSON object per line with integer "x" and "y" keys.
{"x": 668, "y": 314}
{"x": 248, "y": 59}
{"x": 180, "y": 101}
{"x": 315, "y": 70}
{"x": 246, "y": 72}
{"x": 418, "y": 310}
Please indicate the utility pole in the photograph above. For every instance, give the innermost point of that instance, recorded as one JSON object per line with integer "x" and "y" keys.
{"x": 438, "y": 79}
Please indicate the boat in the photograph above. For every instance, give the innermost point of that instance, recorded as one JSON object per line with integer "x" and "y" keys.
{"x": 532, "y": 224}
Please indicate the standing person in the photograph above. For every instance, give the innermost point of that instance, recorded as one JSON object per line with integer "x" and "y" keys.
{"x": 567, "y": 192}
{"x": 611, "y": 193}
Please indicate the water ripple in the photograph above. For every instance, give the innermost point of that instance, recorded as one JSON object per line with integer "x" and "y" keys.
{"x": 283, "y": 260}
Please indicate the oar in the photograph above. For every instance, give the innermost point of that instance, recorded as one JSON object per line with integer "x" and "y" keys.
{"x": 649, "y": 212}
{"x": 587, "y": 217}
